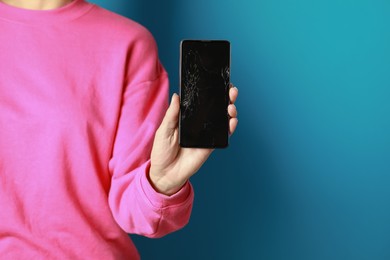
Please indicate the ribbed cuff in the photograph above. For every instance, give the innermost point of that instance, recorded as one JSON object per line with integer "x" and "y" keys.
{"x": 158, "y": 200}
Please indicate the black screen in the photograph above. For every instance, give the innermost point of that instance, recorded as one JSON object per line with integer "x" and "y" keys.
{"x": 204, "y": 93}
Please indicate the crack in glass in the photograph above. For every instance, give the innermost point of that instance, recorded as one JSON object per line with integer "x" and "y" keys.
{"x": 191, "y": 79}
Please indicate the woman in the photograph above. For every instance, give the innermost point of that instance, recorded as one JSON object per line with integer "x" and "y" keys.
{"x": 87, "y": 151}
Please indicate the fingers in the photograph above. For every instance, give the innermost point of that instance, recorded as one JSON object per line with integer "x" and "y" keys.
{"x": 232, "y": 125}
{"x": 171, "y": 117}
{"x": 233, "y": 93}
{"x": 232, "y": 110}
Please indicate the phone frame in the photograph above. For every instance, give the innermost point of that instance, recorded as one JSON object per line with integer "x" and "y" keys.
{"x": 180, "y": 93}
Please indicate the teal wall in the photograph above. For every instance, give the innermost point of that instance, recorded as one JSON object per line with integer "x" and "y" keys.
{"x": 307, "y": 174}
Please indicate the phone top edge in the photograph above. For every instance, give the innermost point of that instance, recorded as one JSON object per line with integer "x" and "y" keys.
{"x": 204, "y": 40}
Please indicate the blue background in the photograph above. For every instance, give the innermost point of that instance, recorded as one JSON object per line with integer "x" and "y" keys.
{"x": 308, "y": 171}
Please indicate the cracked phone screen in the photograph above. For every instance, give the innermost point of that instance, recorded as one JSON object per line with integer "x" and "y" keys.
{"x": 204, "y": 92}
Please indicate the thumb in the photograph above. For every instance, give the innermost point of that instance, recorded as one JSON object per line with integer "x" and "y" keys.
{"x": 171, "y": 117}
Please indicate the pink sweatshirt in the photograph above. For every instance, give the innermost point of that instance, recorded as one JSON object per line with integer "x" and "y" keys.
{"x": 82, "y": 93}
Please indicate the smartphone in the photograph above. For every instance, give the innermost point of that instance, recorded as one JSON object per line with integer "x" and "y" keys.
{"x": 204, "y": 93}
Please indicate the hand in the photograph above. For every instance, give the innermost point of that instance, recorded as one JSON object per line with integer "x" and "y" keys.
{"x": 172, "y": 165}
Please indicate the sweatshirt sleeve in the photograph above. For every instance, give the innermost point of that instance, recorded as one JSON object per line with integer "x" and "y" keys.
{"x": 135, "y": 205}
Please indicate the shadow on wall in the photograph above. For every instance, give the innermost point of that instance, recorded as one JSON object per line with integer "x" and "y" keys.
{"x": 225, "y": 208}
{"x": 157, "y": 16}
{"x": 306, "y": 175}
{"x": 236, "y": 190}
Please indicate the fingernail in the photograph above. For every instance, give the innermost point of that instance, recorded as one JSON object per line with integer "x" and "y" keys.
{"x": 173, "y": 97}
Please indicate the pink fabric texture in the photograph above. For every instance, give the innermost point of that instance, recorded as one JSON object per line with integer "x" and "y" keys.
{"x": 82, "y": 92}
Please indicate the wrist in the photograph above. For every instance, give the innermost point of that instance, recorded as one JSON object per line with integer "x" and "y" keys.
{"x": 162, "y": 185}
